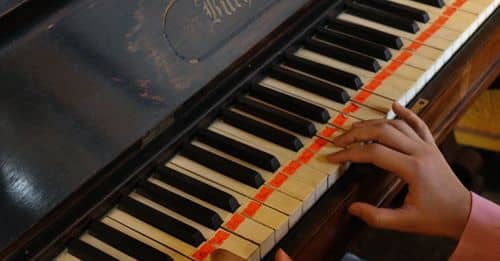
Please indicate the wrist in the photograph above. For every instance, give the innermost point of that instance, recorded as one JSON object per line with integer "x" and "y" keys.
{"x": 463, "y": 209}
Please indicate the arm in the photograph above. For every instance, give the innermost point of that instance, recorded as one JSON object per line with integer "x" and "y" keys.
{"x": 480, "y": 239}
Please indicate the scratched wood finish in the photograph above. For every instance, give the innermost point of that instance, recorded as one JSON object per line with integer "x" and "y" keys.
{"x": 327, "y": 230}
{"x": 85, "y": 82}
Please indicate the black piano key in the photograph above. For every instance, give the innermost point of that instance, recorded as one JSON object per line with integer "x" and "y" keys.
{"x": 382, "y": 17}
{"x": 181, "y": 205}
{"x": 126, "y": 244}
{"x": 353, "y": 43}
{"x": 227, "y": 167}
{"x": 396, "y": 8}
{"x": 197, "y": 188}
{"x": 322, "y": 71}
{"x": 366, "y": 33}
{"x": 239, "y": 150}
{"x": 436, "y": 3}
{"x": 84, "y": 251}
{"x": 278, "y": 117}
{"x": 263, "y": 131}
{"x": 162, "y": 221}
{"x": 289, "y": 103}
{"x": 309, "y": 84}
{"x": 343, "y": 55}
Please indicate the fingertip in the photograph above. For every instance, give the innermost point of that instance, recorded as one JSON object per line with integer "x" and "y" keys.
{"x": 334, "y": 157}
{"x": 354, "y": 209}
{"x": 281, "y": 256}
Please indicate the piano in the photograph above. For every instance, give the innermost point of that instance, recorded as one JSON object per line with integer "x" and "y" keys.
{"x": 166, "y": 129}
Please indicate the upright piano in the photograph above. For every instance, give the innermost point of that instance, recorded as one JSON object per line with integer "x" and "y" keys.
{"x": 167, "y": 129}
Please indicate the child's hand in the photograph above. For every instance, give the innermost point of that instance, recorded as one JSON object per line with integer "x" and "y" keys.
{"x": 437, "y": 203}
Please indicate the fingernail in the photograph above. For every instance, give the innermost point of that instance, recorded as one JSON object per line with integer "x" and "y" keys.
{"x": 353, "y": 209}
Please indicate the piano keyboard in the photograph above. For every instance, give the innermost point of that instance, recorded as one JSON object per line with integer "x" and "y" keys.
{"x": 243, "y": 182}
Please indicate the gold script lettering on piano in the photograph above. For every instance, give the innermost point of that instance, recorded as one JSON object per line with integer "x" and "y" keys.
{"x": 217, "y": 9}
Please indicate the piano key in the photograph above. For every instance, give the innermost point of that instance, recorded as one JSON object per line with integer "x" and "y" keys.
{"x": 247, "y": 153}
{"x": 161, "y": 221}
{"x": 432, "y": 41}
{"x": 278, "y": 117}
{"x": 126, "y": 244}
{"x": 180, "y": 205}
{"x": 361, "y": 112}
{"x": 224, "y": 166}
{"x": 250, "y": 208}
{"x": 65, "y": 256}
{"x": 289, "y": 103}
{"x": 198, "y": 189}
{"x": 436, "y": 3}
{"x": 341, "y": 54}
{"x": 290, "y": 186}
{"x": 475, "y": 7}
{"x": 144, "y": 239}
{"x": 380, "y": 16}
{"x": 304, "y": 173}
{"x": 262, "y": 234}
{"x": 376, "y": 102}
{"x": 366, "y": 33}
{"x": 84, "y": 251}
{"x": 237, "y": 224}
{"x": 283, "y": 139}
{"x": 353, "y": 43}
{"x": 307, "y": 83}
{"x": 231, "y": 242}
{"x": 333, "y": 75}
{"x": 315, "y": 161}
{"x": 266, "y": 195}
{"x": 386, "y": 96}
{"x": 395, "y": 8}
{"x": 459, "y": 21}
{"x": 104, "y": 247}
{"x": 319, "y": 160}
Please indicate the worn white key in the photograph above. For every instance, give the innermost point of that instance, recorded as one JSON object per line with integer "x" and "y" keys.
{"x": 248, "y": 207}
{"x": 104, "y": 247}
{"x": 284, "y": 155}
{"x": 233, "y": 243}
{"x": 275, "y": 199}
{"x": 305, "y": 193}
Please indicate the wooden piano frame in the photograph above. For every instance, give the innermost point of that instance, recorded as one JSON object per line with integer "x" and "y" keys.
{"x": 327, "y": 229}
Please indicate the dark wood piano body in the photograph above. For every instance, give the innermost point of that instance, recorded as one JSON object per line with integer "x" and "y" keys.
{"x": 94, "y": 98}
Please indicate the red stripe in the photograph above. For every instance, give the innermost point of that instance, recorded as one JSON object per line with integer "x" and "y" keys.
{"x": 251, "y": 208}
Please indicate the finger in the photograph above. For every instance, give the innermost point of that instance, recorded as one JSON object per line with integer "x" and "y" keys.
{"x": 395, "y": 219}
{"x": 398, "y": 124}
{"x": 360, "y": 124}
{"x": 414, "y": 121}
{"x": 281, "y": 256}
{"x": 379, "y": 155}
{"x": 403, "y": 127}
{"x": 385, "y": 134}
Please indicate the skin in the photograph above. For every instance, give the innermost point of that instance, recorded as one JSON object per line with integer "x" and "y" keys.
{"x": 437, "y": 203}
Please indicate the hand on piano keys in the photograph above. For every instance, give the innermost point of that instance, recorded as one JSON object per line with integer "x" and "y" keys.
{"x": 437, "y": 203}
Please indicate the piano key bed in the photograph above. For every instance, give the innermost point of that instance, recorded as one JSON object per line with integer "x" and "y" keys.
{"x": 242, "y": 183}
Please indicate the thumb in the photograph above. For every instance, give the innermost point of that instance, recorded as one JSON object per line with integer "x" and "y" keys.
{"x": 378, "y": 217}
{"x": 281, "y": 256}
